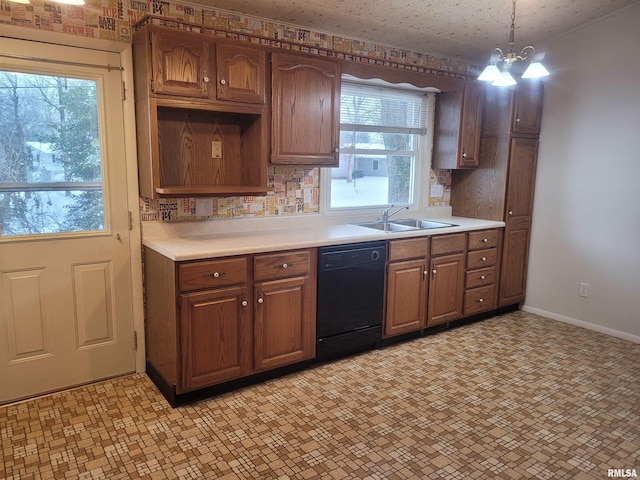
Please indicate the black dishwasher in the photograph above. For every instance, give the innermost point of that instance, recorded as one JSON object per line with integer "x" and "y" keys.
{"x": 350, "y": 298}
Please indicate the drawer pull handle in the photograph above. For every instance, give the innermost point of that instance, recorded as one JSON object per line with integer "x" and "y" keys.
{"x": 214, "y": 274}
{"x": 245, "y": 303}
{"x": 484, "y": 259}
{"x": 482, "y": 277}
{"x": 260, "y": 300}
{"x": 480, "y": 300}
{"x": 284, "y": 265}
{"x": 464, "y": 154}
{"x": 484, "y": 240}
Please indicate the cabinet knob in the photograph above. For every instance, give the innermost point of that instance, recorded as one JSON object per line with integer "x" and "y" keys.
{"x": 336, "y": 150}
{"x": 517, "y": 119}
{"x": 480, "y": 300}
{"x": 483, "y": 259}
{"x": 464, "y": 154}
{"x": 245, "y": 303}
{"x": 284, "y": 265}
{"x": 223, "y": 81}
{"x": 260, "y": 300}
{"x": 510, "y": 212}
{"x": 434, "y": 271}
{"x": 484, "y": 240}
{"x": 482, "y": 277}
{"x": 425, "y": 273}
{"x": 214, "y": 275}
{"x": 205, "y": 78}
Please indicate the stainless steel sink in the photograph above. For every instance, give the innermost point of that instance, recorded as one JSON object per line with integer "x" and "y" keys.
{"x": 423, "y": 224}
{"x": 388, "y": 226}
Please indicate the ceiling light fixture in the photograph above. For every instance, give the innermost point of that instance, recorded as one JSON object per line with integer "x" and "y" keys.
{"x": 498, "y": 70}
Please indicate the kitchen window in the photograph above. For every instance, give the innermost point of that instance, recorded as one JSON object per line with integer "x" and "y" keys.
{"x": 385, "y": 147}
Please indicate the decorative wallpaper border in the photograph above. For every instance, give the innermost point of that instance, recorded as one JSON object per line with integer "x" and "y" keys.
{"x": 114, "y": 20}
{"x": 295, "y": 190}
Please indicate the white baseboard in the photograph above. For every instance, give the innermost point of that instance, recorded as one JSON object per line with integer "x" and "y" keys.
{"x": 583, "y": 324}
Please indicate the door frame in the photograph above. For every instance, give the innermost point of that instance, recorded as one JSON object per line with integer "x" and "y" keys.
{"x": 131, "y": 158}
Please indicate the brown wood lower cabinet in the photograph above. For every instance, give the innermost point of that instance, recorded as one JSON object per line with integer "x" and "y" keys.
{"x": 215, "y": 328}
{"x": 483, "y": 260}
{"x": 284, "y": 322}
{"x": 513, "y": 278}
{"x": 407, "y": 283}
{"x": 216, "y": 320}
{"x": 447, "y": 269}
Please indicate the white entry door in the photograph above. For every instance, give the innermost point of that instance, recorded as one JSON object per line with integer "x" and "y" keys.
{"x": 65, "y": 274}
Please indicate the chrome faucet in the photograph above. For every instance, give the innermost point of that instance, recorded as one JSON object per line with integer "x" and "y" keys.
{"x": 386, "y": 214}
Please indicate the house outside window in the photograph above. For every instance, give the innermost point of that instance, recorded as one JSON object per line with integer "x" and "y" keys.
{"x": 385, "y": 146}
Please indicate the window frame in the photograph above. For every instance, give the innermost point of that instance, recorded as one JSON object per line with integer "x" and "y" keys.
{"x": 421, "y": 167}
{"x": 86, "y": 72}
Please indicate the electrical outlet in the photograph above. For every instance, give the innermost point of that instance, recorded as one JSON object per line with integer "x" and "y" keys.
{"x": 583, "y": 291}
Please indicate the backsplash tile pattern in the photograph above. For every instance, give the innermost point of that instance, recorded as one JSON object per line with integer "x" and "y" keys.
{"x": 295, "y": 190}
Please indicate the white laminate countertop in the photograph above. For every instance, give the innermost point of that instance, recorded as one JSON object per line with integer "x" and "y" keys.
{"x": 194, "y": 240}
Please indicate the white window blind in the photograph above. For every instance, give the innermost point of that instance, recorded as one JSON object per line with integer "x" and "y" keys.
{"x": 366, "y": 108}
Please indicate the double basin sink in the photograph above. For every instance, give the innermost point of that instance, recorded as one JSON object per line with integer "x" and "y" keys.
{"x": 405, "y": 225}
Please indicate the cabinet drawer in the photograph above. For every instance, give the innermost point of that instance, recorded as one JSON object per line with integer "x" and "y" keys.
{"x": 445, "y": 244}
{"x": 483, "y": 239}
{"x": 481, "y": 277}
{"x": 211, "y": 274}
{"x": 407, "y": 249}
{"x": 479, "y": 300}
{"x": 281, "y": 265}
{"x": 482, "y": 258}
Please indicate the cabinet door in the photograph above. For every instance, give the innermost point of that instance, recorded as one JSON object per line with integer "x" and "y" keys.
{"x": 406, "y": 297}
{"x": 521, "y": 178}
{"x": 527, "y": 111}
{"x": 446, "y": 290}
{"x": 305, "y": 110}
{"x": 284, "y": 322}
{"x": 181, "y": 64}
{"x": 458, "y": 126}
{"x": 241, "y": 73}
{"x": 513, "y": 277}
{"x": 469, "y": 147}
{"x": 216, "y": 340}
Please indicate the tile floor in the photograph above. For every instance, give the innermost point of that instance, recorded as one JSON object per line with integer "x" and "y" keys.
{"x": 516, "y": 396}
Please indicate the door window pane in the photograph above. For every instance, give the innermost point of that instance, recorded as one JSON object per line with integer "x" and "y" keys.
{"x": 50, "y": 159}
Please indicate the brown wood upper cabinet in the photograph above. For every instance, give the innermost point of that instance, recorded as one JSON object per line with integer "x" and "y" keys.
{"x": 305, "y": 127}
{"x": 457, "y": 131}
{"x": 202, "y": 121}
{"x": 182, "y": 64}
{"x": 241, "y": 73}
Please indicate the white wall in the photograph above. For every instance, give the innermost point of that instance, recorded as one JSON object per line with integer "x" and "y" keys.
{"x": 586, "y": 224}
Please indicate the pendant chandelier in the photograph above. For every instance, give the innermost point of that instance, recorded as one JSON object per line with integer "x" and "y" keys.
{"x": 498, "y": 70}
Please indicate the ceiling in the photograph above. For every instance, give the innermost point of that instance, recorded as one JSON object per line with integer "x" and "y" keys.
{"x": 462, "y": 29}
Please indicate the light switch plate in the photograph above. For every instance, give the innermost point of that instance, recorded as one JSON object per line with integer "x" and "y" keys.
{"x": 216, "y": 149}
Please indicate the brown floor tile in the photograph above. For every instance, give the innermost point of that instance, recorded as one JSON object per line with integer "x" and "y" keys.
{"x": 515, "y": 396}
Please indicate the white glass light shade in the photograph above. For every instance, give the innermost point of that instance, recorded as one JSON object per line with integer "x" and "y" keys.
{"x": 535, "y": 70}
{"x": 489, "y": 74}
{"x": 504, "y": 80}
